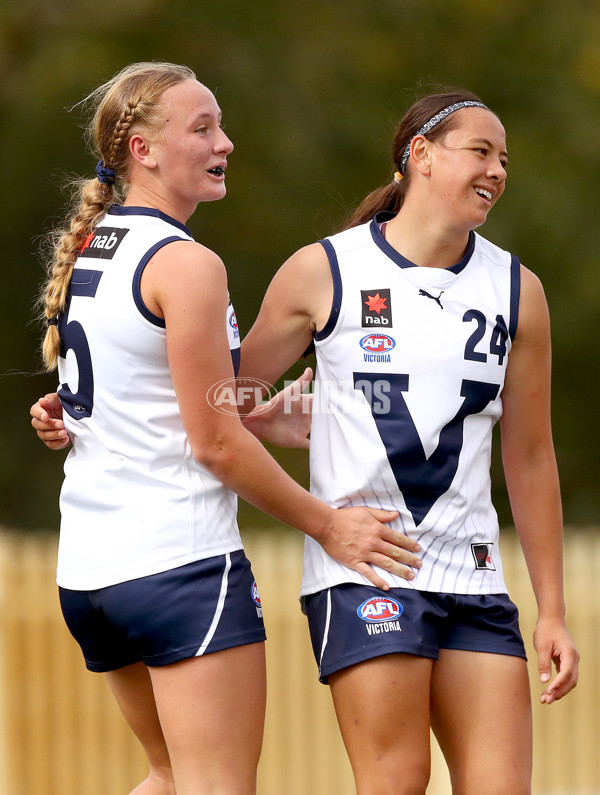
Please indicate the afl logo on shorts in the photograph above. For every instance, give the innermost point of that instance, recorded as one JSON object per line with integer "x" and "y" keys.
{"x": 377, "y": 343}
{"x": 255, "y": 594}
{"x": 256, "y": 598}
{"x": 379, "y": 608}
{"x": 234, "y": 332}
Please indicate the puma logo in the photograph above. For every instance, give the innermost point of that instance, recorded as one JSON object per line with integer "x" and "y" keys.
{"x": 433, "y": 298}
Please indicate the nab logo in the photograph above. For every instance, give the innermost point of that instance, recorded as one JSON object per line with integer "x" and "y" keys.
{"x": 379, "y": 608}
{"x": 377, "y": 343}
{"x": 376, "y": 308}
{"x": 103, "y": 243}
{"x": 483, "y": 556}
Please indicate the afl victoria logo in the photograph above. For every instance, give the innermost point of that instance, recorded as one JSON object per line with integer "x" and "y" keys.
{"x": 379, "y": 608}
{"x": 377, "y": 343}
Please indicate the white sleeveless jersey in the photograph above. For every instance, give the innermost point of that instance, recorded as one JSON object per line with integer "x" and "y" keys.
{"x": 134, "y": 501}
{"x": 410, "y": 370}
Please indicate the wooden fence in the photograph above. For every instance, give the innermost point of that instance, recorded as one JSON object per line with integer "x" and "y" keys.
{"x": 61, "y": 733}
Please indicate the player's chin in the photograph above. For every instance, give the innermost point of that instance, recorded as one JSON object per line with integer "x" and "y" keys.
{"x": 219, "y": 189}
{"x": 214, "y": 195}
{"x": 479, "y": 220}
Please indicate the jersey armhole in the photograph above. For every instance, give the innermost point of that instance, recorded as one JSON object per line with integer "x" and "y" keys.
{"x": 336, "y": 304}
{"x": 137, "y": 281}
{"x": 515, "y": 295}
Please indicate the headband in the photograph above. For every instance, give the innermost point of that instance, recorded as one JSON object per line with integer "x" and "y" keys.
{"x": 105, "y": 175}
{"x": 434, "y": 121}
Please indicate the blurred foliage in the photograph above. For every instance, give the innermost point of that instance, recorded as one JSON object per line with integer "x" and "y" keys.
{"x": 311, "y": 92}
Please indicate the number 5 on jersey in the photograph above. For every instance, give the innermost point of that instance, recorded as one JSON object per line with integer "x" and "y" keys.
{"x": 79, "y": 404}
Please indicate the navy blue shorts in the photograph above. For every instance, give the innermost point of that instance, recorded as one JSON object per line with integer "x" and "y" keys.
{"x": 351, "y": 623}
{"x": 202, "y": 607}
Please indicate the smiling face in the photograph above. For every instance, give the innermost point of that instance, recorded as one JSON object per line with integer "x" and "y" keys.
{"x": 468, "y": 166}
{"x": 189, "y": 148}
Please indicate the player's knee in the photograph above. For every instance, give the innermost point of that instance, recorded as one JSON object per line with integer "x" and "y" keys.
{"x": 414, "y": 780}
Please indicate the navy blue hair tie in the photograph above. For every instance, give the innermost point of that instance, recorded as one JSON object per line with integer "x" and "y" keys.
{"x": 105, "y": 175}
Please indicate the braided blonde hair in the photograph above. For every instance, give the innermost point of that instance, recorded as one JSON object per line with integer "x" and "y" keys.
{"x": 122, "y": 106}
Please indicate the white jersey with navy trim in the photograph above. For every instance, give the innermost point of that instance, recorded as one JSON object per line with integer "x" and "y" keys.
{"x": 410, "y": 370}
{"x": 134, "y": 501}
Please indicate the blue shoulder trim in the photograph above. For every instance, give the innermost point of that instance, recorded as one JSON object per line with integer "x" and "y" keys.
{"x": 515, "y": 295}
{"x": 119, "y": 209}
{"x": 337, "y": 292}
{"x": 137, "y": 278}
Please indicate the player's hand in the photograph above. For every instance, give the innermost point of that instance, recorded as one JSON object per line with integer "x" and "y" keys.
{"x": 360, "y": 538}
{"x": 554, "y": 646}
{"x": 48, "y": 423}
{"x": 285, "y": 419}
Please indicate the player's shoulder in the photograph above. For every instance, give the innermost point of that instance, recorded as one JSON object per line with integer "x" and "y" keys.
{"x": 350, "y": 238}
{"x": 308, "y": 262}
{"x": 187, "y": 254}
{"x": 533, "y": 298}
{"x": 530, "y": 280}
{"x": 185, "y": 271}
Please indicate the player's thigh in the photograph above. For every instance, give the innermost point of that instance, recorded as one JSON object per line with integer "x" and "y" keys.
{"x": 382, "y": 707}
{"x": 481, "y": 716}
{"x": 212, "y": 710}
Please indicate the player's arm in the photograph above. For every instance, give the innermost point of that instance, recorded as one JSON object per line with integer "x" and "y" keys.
{"x": 186, "y": 283}
{"x": 533, "y": 485}
{"x": 284, "y": 420}
{"x": 297, "y": 302}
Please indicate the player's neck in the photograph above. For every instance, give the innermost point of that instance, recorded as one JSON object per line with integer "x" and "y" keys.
{"x": 423, "y": 240}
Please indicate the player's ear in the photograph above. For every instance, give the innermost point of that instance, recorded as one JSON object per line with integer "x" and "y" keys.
{"x": 141, "y": 151}
{"x": 420, "y": 152}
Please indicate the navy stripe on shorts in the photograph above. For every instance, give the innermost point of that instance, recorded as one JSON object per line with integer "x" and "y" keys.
{"x": 188, "y": 611}
{"x": 352, "y": 623}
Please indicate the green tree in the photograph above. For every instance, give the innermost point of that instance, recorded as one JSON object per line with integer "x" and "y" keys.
{"x": 310, "y": 93}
